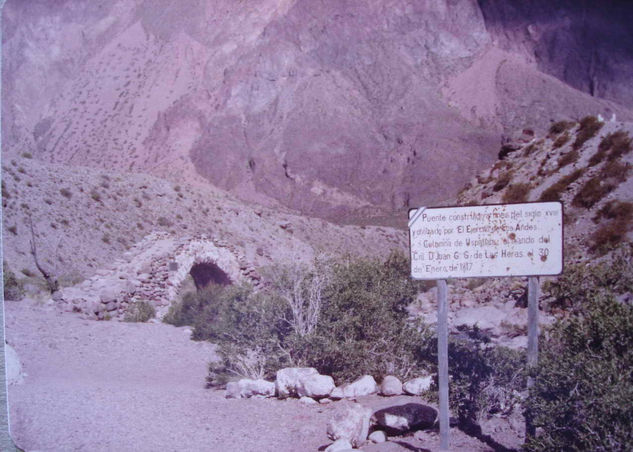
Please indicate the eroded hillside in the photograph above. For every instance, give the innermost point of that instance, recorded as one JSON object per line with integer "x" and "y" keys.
{"x": 331, "y": 108}
{"x": 84, "y": 219}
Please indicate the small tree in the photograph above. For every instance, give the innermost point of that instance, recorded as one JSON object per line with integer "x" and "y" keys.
{"x": 301, "y": 289}
{"x": 51, "y": 280}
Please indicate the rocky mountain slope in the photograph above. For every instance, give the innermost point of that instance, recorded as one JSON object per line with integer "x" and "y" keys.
{"x": 332, "y": 108}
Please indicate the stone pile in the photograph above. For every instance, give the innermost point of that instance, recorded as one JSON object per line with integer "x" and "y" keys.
{"x": 151, "y": 271}
{"x": 354, "y": 424}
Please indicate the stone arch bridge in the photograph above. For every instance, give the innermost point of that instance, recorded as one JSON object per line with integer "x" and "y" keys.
{"x": 152, "y": 271}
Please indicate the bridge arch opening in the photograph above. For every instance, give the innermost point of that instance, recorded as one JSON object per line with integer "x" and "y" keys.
{"x": 205, "y": 273}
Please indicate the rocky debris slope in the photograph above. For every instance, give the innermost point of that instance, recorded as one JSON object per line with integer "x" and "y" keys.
{"x": 586, "y": 165}
{"x": 84, "y": 220}
{"x": 328, "y": 107}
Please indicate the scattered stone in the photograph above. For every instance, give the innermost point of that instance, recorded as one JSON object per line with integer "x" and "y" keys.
{"x": 351, "y": 423}
{"x": 288, "y": 379}
{"x": 405, "y": 418}
{"x": 339, "y": 445}
{"x": 418, "y": 385}
{"x": 246, "y": 388}
{"x": 363, "y": 386}
{"x": 377, "y": 436}
{"x": 391, "y": 386}
{"x": 315, "y": 386}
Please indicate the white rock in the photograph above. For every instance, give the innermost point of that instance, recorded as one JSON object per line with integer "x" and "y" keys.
{"x": 339, "y": 445}
{"x": 246, "y": 388}
{"x": 288, "y": 379}
{"x": 325, "y": 401}
{"x": 418, "y": 385}
{"x": 307, "y": 400}
{"x": 351, "y": 423}
{"x": 315, "y": 386}
{"x": 365, "y": 385}
{"x": 337, "y": 393}
{"x": 391, "y": 386}
{"x": 377, "y": 436}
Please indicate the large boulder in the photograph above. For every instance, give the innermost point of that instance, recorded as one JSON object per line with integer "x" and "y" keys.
{"x": 288, "y": 380}
{"x": 391, "y": 386}
{"x": 363, "y": 386}
{"x": 246, "y": 388}
{"x": 405, "y": 418}
{"x": 418, "y": 385}
{"x": 315, "y": 386}
{"x": 350, "y": 423}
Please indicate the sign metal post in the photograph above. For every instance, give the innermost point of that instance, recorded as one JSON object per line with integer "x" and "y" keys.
{"x": 532, "y": 345}
{"x": 442, "y": 358}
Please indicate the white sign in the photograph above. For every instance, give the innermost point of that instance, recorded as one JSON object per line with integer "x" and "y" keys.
{"x": 494, "y": 240}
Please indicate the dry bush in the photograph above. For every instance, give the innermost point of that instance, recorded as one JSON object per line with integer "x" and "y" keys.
{"x": 618, "y": 215}
{"x": 503, "y": 181}
{"x": 568, "y": 158}
{"x": 559, "y": 127}
{"x": 516, "y": 193}
{"x": 589, "y": 127}
{"x": 612, "y": 147}
{"x": 591, "y": 192}
{"x": 611, "y": 175}
{"x": 561, "y": 140}
{"x": 554, "y": 192}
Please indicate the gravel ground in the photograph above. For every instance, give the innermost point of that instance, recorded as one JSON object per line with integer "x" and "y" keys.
{"x": 114, "y": 386}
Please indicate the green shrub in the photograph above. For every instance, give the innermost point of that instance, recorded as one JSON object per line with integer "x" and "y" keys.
{"x": 65, "y": 193}
{"x": 13, "y": 289}
{"x": 516, "y": 193}
{"x": 363, "y": 325}
{"x": 589, "y": 127}
{"x": 140, "y": 311}
{"x": 27, "y": 155}
{"x": 360, "y": 325}
{"x": 485, "y": 379}
{"x": 583, "y": 393}
{"x": 95, "y": 195}
{"x": 580, "y": 282}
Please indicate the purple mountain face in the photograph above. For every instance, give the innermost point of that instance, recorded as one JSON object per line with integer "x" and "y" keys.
{"x": 334, "y": 108}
